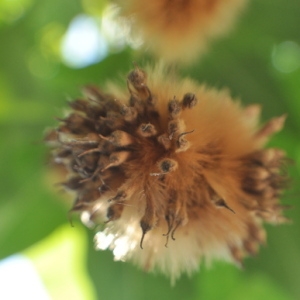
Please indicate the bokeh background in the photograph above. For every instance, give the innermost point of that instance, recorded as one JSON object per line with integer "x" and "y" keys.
{"x": 48, "y": 51}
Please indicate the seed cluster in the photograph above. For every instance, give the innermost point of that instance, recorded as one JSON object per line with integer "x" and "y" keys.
{"x": 181, "y": 178}
{"x": 183, "y": 29}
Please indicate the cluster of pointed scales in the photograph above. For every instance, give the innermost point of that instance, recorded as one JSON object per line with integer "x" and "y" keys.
{"x": 116, "y": 151}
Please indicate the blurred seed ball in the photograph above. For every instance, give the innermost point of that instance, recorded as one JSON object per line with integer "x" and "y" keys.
{"x": 180, "y": 30}
{"x": 174, "y": 171}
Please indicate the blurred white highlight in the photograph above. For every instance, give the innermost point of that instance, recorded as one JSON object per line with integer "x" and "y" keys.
{"x": 83, "y": 43}
{"x": 20, "y": 280}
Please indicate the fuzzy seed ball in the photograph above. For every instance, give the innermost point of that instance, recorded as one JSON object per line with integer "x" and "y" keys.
{"x": 173, "y": 172}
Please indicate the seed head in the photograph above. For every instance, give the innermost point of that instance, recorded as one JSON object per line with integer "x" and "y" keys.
{"x": 172, "y": 181}
{"x": 179, "y": 30}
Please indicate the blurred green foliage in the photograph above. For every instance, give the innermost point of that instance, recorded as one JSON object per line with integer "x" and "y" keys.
{"x": 34, "y": 86}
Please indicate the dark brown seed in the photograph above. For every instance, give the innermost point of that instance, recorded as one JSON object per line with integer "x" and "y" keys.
{"x": 189, "y": 100}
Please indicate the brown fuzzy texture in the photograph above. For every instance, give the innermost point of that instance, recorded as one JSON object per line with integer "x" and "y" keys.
{"x": 180, "y": 30}
{"x": 171, "y": 160}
